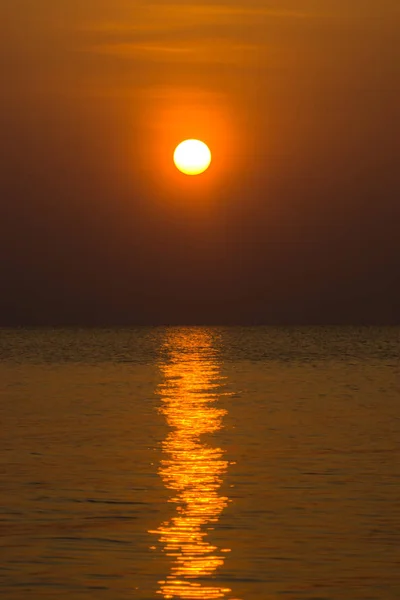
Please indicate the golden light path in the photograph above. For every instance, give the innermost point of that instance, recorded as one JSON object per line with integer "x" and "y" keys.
{"x": 192, "y": 157}
{"x": 192, "y": 469}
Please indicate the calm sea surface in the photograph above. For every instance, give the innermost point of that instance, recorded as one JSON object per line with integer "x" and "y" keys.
{"x": 200, "y": 463}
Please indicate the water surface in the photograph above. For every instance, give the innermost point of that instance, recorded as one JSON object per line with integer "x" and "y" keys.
{"x": 235, "y": 463}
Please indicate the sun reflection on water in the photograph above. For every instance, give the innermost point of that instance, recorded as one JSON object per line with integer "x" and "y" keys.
{"x": 192, "y": 469}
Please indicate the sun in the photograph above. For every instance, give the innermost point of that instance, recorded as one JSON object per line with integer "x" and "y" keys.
{"x": 192, "y": 157}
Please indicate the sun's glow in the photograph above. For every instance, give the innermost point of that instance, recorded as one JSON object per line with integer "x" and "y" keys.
{"x": 192, "y": 157}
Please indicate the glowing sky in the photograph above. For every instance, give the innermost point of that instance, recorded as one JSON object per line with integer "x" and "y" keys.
{"x": 299, "y": 102}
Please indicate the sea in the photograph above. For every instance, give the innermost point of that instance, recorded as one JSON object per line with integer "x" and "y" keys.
{"x": 244, "y": 463}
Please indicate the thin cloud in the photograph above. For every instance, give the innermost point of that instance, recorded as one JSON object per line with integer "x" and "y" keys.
{"x": 217, "y": 52}
{"x": 197, "y": 33}
{"x": 157, "y": 17}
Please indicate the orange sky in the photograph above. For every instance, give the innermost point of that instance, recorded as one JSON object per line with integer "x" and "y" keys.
{"x": 295, "y": 99}
{"x": 218, "y": 69}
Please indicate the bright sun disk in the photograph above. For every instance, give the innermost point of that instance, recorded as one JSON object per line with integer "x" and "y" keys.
{"x": 192, "y": 157}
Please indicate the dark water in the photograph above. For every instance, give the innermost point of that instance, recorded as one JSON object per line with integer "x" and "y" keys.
{"x": 200, "y": 463}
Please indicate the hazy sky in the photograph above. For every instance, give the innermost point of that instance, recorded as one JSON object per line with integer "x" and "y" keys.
{"x": 298, "y": 219}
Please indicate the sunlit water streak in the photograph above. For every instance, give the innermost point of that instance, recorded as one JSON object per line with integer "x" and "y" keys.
{"x": 192, "y": 469}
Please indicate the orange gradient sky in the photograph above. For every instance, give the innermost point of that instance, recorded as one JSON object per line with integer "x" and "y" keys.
{"x": 298, "y": 101}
